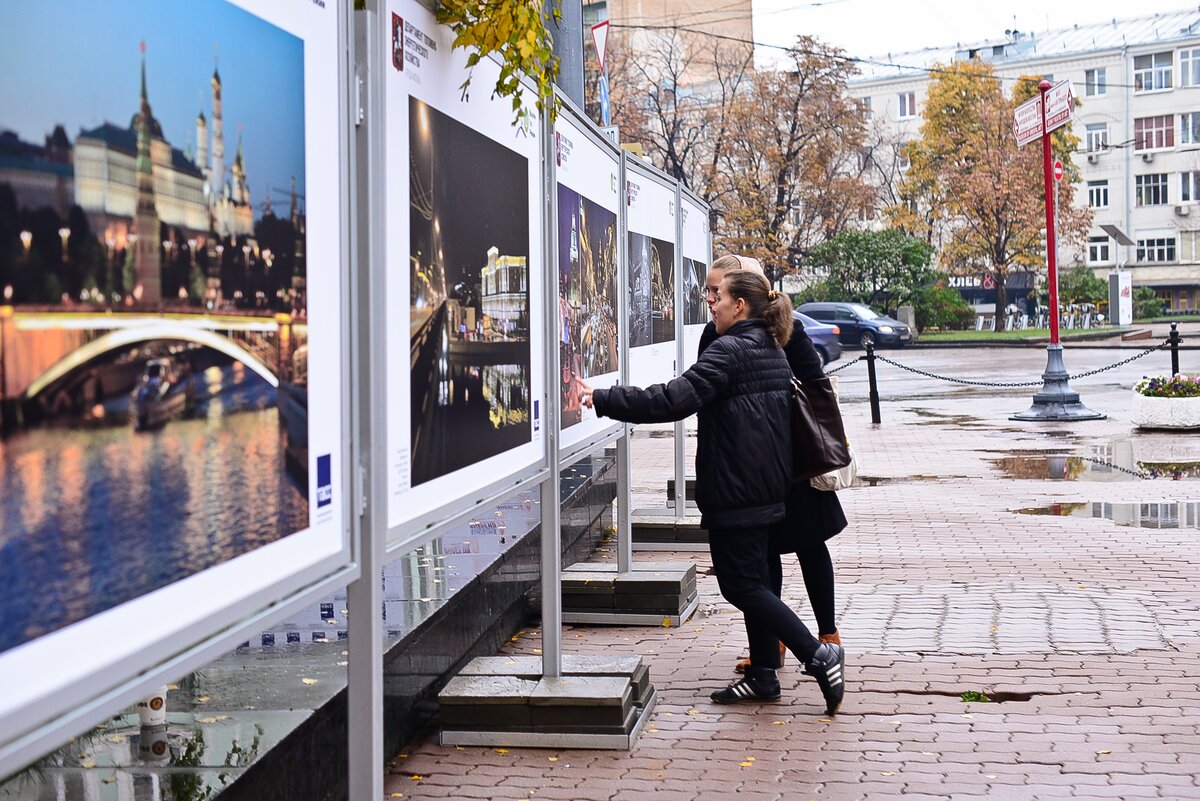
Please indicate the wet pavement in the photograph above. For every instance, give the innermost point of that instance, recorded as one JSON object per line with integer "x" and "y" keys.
{"x": 1082, "y": 627}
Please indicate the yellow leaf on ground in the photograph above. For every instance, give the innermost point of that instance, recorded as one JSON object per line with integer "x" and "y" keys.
{"x": 88, "y": 764}
{"x": 202, "y": 699}
{"x": 887, "y": 773}
{"x": 537, "y": 650}
{"x": 666, "y": 622}
{"x": 746, "y": 764}
{"x": 826, "y": 720}
{"x": 396, "y": 795}
{"x": 1104, "y": 751}
{"x": 308, "y": 681}
{"x": 778, "y": 722}
{"x": 501, "y": 751}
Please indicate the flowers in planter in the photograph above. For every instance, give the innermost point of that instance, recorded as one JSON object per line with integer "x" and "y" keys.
{"x": 1166, "y": 386}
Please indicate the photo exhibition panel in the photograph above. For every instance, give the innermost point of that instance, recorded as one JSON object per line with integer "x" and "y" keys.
{"x": 588, "y": 327}
{"x": 464, "y": 278}
{"x": 697, "y": 255}
{"x": 173, "y": 363}
{"x": 651, "y": 264}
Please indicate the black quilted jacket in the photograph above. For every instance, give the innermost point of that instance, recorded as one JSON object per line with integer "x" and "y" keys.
{"x": 739, "y": 387}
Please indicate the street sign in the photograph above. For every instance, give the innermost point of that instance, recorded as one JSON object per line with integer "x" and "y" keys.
{"x": 1060, "y": 109}
{"x": 1058, "y": 170}
{"x": 1060, "y": 105}
{"x": 1027, "y": 121}
{"x": 600, "y": 39}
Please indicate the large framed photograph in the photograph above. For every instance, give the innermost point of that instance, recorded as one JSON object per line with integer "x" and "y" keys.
{"x": 464, "y": 279}
{"x": 696, "y": 243}
{"x": 587, "y": 202}
{"x": 173, "y": 363}
{"x": 651, "y": 235}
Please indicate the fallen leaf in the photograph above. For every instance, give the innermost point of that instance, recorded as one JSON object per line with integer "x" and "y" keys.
{"x": 396, "y": 795}
{"x": 693, "y": 711}
{"x": 202, "y": 699}
{"x": 666, "y": 622}
{"x": 416, "y": 777}
{"x": 746, "y": 764}
{"x": 501, "y": 751}
{"x": 928, "y": 753}
{"x": 826, "y": 720}
{"x": 992, "y": 775}
{"x": 308, "y": 681}
{"x": 90, "y": 763}
{"x": 402, "y": 756}
{"x": 1104, "y": 751}
{"x": 887, "y": 773}
{"x": 778, "y": 722}
{"x": 552, "y": 759}
{"x": 750, "y": 758}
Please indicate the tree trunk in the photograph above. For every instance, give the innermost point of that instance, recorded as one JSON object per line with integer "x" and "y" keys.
{"x": 1001, "y": 297}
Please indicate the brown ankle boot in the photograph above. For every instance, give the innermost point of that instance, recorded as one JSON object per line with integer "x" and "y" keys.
{"x": 742, "y": 664}
{"x": 831, "y": 638}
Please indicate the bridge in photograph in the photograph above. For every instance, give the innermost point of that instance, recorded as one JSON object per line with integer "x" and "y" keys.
{"x": 38, "y": 348}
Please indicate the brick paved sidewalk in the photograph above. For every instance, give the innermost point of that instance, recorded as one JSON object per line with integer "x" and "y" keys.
{"x": 1085, "y": 630}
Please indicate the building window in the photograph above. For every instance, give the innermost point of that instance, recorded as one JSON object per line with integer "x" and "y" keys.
{"x": 903, "y": 161}
{"x": 1096, "y": 82}
{"x": 1152, "y": 73}
{"x": 1189, "y": 128}
{"x": 1151, "y": 189}
{"x": 1156, "y": 250}
{"x": 864, "y": 104}
{"x": 1189, "y": 186}
{"x": 1153, "y": 133}
{"x": 1189, "y": 67}
{"x": 908, "y": 105}
{"x": 1098, "y": 250}
{"x": 1098, "y": 194}
{"x": 1097, "y": 136}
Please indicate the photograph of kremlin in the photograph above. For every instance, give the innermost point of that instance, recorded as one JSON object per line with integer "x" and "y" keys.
{"x": 160, "y": 199}
{"x": 153, "y": 311}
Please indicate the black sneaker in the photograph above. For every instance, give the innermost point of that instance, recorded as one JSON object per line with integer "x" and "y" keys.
{"x": 828, "y": 667}
{"x": 759, "y": 685}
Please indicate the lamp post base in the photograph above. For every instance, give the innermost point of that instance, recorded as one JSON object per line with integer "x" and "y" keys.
{"x": 1056, "y": 401}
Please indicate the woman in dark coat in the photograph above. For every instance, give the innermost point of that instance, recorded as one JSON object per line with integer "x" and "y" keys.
{"x": 813, "y": 516}
{"x": 739, "y": 388}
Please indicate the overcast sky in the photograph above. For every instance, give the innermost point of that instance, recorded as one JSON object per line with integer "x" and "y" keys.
{"x": 877, "y": 27}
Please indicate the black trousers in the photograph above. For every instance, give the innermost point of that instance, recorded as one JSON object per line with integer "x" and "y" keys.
{"x": 742, "y": 564}
{"x": 817, "y": 567}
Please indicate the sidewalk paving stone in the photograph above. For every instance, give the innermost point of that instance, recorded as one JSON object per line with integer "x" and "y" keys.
{"x": 942, "y": 589}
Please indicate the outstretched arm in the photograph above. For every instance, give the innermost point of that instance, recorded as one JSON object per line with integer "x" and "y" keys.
{"x": 675, "y": 400}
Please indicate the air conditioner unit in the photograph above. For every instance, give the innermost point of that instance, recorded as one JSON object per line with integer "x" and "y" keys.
{"x": 1147, "y": 157}
{"x": 1093, "y": 158}
{"x": 1183, "y": 211}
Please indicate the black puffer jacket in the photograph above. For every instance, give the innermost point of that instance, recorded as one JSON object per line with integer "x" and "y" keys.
{"x": 740, "y": 389}
{"x": 812, "y": 515}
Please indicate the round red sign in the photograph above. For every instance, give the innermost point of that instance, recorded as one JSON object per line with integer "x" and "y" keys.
{"x": 1058, "y": 170}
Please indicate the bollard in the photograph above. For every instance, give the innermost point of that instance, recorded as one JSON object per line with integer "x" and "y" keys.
{"x": 1174, "y": 340}
{"x": 875, "y": 418}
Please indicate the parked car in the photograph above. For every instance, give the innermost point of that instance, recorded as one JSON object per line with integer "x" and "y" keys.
{"x": 860, "y": 324}
{"x": 824, "y": 337}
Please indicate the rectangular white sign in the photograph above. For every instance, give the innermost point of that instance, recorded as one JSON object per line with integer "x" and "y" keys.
{"x": 1027, "y": 120}
{"x": 650, "y": 257}
{"x": 587, "y": 203}
{"x": 466, "y": 280}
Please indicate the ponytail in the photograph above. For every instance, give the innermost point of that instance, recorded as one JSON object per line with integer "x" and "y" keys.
{"x": 768, "y": 304}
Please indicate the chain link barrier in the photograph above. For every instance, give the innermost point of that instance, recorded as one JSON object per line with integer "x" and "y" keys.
{"x": 1004, "y": 384}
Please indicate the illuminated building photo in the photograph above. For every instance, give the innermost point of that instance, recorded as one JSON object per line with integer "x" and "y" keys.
{"x": 469, "y": 253}
{"x": 587, "y": 296}
{"x": 695, "y": 310}
{"x": 651, "y": 290}
{"x": 153, "y": 322}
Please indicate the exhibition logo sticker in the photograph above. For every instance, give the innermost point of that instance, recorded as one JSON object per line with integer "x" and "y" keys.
{"x": 563, "y": 148}
{"x": 324, "y": 480}
{"x": 409, "y": 44}
{"x": 631, "y": 192}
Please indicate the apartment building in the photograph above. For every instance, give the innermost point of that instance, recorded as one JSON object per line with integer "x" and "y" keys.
{"x": 1139, "y": 129}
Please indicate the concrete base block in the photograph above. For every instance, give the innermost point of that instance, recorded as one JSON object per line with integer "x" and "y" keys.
{"x": 653, "y": 595}
{"x": 666, "y": 533}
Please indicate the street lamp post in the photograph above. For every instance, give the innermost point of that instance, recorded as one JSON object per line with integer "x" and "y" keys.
{"x": 26, "y": 242}
{"x": 65, "y": 234}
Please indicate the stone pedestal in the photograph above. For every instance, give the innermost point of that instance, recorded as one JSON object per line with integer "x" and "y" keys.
{"x": 663, "y": 532}
{"x": 598, "y": 702}
{"x": 651, "y": 594}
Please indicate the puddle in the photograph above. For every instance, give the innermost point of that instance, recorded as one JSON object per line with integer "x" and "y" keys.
{"x": 1161, "y": 515}
{"x": 1065, "y": 467}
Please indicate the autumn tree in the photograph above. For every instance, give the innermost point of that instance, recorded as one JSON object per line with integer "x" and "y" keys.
{"x": 792, "y": 172}
{"x": 970, "y": 191}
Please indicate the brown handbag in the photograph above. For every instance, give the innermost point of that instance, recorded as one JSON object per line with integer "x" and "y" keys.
{"x": 819, "y": 441}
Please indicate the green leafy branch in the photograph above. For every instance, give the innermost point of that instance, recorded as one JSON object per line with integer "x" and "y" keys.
{"x": 513, "y": 30}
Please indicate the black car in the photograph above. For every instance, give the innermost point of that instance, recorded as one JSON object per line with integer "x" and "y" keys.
{"x": 859, "y": 324}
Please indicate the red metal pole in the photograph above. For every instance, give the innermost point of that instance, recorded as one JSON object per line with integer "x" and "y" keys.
{"x": 1048, "y": 176}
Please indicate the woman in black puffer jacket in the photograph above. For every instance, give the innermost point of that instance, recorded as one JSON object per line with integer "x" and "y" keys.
{"x": 740, "y": 389}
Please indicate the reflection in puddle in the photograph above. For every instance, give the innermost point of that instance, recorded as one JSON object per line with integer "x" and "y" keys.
{"x": 1139, "y": 515}
{"x": 1063, "y": 467}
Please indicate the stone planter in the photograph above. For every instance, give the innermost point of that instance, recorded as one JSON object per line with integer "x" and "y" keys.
{"x": 1165, "y": 412}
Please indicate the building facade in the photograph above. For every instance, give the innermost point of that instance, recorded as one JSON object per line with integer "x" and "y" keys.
{"x": 1138, "y": 81}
